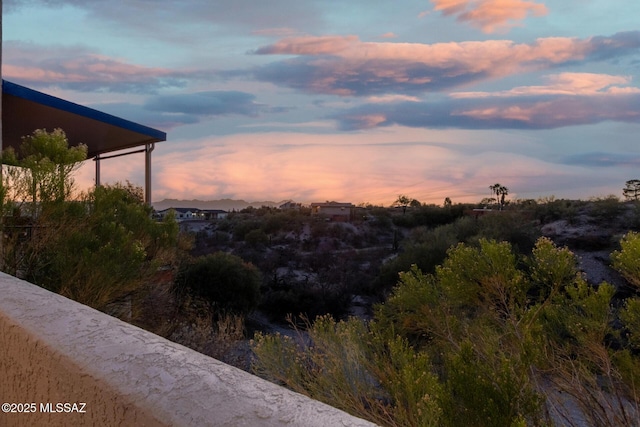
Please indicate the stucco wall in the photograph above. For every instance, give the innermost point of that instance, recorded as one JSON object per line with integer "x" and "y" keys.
{"x": 54, "y": 350}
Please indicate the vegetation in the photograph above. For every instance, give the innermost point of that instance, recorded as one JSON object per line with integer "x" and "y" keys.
{"x": 631, "y": 190}
{"x": 501, "y": 192}
{"x": 483, "y": 340}
{"x": 97, "y": 248}
{"x": 479, "y": 320}
{"x": 226, "y": 282}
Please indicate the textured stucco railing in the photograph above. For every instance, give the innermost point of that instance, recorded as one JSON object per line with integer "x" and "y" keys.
{"x": 58, "y": 355}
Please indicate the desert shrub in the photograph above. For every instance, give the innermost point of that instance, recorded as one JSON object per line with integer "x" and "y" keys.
{"x": 495, "y": 333}
{"x": 430, "y": 216}
{"x": 256, "y": 238}
{"x": 626, "y": 259}
{"x": 97, "y": 250}
{"x": 225, "y": 281}
{"x": 606, "y": 208}
{"x": 512, "y": 227}
{"x": 242, "y": 226}
{"x": 286, "y": 296}
{"x": 552, "y": 209}
{"x": 355, "y": 368}
{"x": 427, "y": 248}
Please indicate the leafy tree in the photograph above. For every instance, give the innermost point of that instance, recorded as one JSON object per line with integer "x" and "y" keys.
{"x": 42, "y": 167}
{"x": 402, "y": 201}
{"x": 631, "y": 191}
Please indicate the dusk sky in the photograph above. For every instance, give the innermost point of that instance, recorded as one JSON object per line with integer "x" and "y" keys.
{"x": 353, "y": 101}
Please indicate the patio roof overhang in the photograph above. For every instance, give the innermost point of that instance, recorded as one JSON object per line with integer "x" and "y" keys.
{"x": 25, "y": 110}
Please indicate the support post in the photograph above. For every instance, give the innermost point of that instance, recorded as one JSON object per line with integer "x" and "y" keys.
{"x": 147, "y": 172}
{"x": 97, "y": 160}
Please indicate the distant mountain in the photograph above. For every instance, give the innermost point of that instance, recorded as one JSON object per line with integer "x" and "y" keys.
{"x": 223, "y": 204}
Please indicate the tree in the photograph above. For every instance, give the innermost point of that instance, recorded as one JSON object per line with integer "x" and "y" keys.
{"x": 447, "y": 202}
{"x": 41, "y": 170}
{"x": 402, "y": 201}
{"x": 631, "y": 191}
{"x": 500, "y": 192}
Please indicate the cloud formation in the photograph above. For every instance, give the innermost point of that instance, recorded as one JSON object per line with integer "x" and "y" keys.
{"x": 569, "y": 99}
{"x": 564, "y": 84}
{"x": 347, "y": 66}
{"x": 169, "y": 111}
{"x": 602, "y": 159}
{"x": 79, "y": 68}
{"x": 490, "y": 15}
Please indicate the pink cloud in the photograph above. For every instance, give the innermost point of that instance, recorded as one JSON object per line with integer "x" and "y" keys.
{"x": 564, "y": 111}
{"x": 80, "y": 69}
{"x": 345, "y": 65}
{"x": 490, "y": 15}
{"x": 310, "y": 45}
{"x": 564, "y": 84}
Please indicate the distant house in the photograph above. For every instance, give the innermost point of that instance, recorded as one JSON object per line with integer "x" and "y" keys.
{"x": 192, "y": 214}
{"x": 213, "y": 213}
{"x": 334, "y": 211}
{"x": 290, "y": 205}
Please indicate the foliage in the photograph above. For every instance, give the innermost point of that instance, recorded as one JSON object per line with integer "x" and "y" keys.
{"x": 356, "y": 368}
{"x": 225, "y": 281}
{"x": 430, "y": 216}
{"x": 96, "y": 250}
{"x": 428, "y": 247}
{"x": 606, "y": 208}
{"x": 489, "y": 330}
{"x": 626, "y": 259}
{"x": 403, "y": 202}
{"x": 41, "y": 170}
{"x": 631, "y": 190}
{"x": 501, "y": 192}
{"x": 551, "y": 209}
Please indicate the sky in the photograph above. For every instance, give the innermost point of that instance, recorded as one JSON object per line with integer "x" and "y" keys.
{"x": 354, "y": 101}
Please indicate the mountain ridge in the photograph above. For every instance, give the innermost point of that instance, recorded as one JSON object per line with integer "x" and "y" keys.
{"x": 222, "y": 204}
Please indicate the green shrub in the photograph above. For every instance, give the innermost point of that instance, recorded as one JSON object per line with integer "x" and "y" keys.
{"x": 256, "y": 238}
{"x": 627, "y": 259}
{"x": 225, "y": 281}
{"x": 488, "y": 335}
{"x": 356, "y": 368}
{"x": 98, "y": 250}
{"x": 606, "y": 208}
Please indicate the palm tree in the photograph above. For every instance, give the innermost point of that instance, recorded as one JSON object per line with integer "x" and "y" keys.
{"x": 502, "y": 192}
{"x": 494, "y": 190}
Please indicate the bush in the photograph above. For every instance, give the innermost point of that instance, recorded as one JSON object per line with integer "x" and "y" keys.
{"x": 96, "y": 251}
{"x": 626, "y": 260}
{"x": 486, "y": 340}
{"x": 225, "y": 281}
{"x": 355, "y": 368}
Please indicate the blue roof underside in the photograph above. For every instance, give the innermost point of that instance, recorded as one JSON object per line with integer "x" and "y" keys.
{"x": 80, "y": 110}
